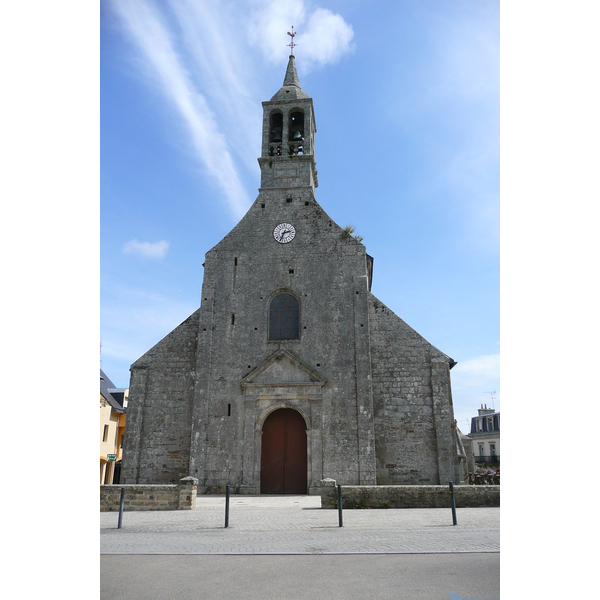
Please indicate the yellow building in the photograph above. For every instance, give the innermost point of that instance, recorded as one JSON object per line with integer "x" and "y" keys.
{"x": 113, "y": 402}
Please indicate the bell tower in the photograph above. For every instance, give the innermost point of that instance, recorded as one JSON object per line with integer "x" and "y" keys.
{"x": 287, "y": 158}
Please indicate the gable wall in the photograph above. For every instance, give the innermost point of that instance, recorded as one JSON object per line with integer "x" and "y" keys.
{"x": 156, "y": 445}
{"x": 328, "y": 271}
{"x": 406, "y": 435}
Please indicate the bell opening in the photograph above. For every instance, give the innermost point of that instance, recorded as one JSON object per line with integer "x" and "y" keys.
{"x": 296, "y": 126}
{"x": 276, "y": 127}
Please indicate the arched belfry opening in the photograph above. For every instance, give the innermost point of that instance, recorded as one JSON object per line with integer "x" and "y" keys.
{"x": 275, "y": 133}
{"x": 296, "y": 132}
{"x": 283, "y": 465}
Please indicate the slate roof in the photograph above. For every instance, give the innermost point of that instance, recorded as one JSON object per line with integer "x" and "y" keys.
{"x": 111, "y": 393}
{"x": 291, "y": 89}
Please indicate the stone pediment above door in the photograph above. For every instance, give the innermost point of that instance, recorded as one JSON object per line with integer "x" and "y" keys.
{"x": 283, "y": 369}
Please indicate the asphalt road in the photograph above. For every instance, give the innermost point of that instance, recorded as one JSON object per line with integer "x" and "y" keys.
{"x": 318, "y": 577}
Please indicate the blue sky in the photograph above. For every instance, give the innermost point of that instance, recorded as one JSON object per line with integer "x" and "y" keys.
{"x": 407, "y": 103}
{"x": 406, "y": 148}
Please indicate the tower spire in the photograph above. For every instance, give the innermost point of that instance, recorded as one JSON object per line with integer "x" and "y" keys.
{"x": 291, "y": 75}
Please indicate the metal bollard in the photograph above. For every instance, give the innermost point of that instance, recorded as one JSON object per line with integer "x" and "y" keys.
{"x": 227, "y": 506}
{"x": 453, "y": 503}
{"x": 340, "y": 504}
{"x": 121, "y": 507}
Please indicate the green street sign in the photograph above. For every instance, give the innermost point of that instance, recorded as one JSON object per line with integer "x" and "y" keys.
{"x": 111, "y": 457}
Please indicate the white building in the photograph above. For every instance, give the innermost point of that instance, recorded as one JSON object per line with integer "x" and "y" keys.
{"x": 485, "y": 436}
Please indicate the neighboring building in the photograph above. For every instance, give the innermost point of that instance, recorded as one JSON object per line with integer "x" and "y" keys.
{"x": 465, "y": 455}
{"x": 485, "y": 437}
{"x": 291, "y": 370}
{"x": 113, "y": 402}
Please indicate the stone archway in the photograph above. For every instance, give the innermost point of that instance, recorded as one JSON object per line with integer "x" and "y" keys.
{"x": 284, "y": 453}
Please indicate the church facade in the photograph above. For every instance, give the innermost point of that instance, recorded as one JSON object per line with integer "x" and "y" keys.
{"x": 291, "y": 370}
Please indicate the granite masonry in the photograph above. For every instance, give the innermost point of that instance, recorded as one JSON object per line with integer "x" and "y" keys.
{"x": 172, "y": 496}
{"x": 291, "y": 371}
{"x": 409, "y": 496}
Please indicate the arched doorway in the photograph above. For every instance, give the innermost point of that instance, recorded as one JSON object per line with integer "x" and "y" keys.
{"x": 283, "y": 455}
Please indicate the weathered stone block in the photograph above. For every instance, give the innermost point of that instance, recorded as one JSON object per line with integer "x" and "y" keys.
{"x": 410, "y": 496}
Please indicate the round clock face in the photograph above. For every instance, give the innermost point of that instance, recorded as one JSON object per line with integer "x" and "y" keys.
{"x": 284, "y": 233}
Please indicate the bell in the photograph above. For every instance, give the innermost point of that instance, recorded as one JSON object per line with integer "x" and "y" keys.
{"x": 276, "y": 137}
{"x": 297, "y": 137}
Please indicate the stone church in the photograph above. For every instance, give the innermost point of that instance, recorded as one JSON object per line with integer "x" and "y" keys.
{"x": 291, "y": 371}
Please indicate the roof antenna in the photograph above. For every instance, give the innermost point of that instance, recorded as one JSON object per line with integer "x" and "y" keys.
{"x": 492, "y": 395}
{"x": 292, "y": 45}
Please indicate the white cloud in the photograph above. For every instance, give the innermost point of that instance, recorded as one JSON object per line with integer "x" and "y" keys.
{"x": 322, "y": 36}
{"x": 165, "y": 69}
{"x": 146, "y": 249}
{"x": 222, "y": 68}
{"x": 476, "y": 372}
{"x": 270, "y": 21}
{"x": 327, "y": 37}
{"x": 193, "y": 53}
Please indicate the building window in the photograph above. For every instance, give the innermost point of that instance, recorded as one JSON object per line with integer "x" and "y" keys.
{"x": 490, "y": 424}
{"x": 284, "y": 318}
{"x": 481, "y": 450}
{"x": 105, "y": 435}
{"x": 493, "y": 449}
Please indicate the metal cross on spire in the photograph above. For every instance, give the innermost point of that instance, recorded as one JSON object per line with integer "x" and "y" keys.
{"x": 292, "y": 45}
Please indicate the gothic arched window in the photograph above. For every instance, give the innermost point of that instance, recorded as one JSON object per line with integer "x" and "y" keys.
{"x": 284, "y": 318}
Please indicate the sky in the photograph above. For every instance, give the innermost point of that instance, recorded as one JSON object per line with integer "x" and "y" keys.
{"x": 407, "y": 103}
{"x": 129, "y": 145}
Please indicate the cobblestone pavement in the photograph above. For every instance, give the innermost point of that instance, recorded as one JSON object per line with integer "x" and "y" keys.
{"x": 297, "y": 525}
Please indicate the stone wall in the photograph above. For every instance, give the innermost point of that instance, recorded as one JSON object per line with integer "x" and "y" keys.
{"x": 412, "y": 403}
{"x": 156, "y": 446}
{"x": 180, "y": 496}
{"x": 327, "y": 274}
{"x": 409, "y": 496}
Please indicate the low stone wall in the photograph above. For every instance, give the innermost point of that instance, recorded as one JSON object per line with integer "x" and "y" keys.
{"x": 180, "y": 496}
{"x": 408, "y": 496}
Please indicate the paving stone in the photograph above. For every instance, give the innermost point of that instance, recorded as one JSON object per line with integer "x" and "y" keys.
{"x": 297, "y": 525}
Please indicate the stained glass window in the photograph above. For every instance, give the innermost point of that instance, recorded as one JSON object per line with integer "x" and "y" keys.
{"x": 284, "y": 318}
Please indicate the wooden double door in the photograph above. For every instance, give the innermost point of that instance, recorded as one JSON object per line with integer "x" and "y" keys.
{"x": 283, "y": 455}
